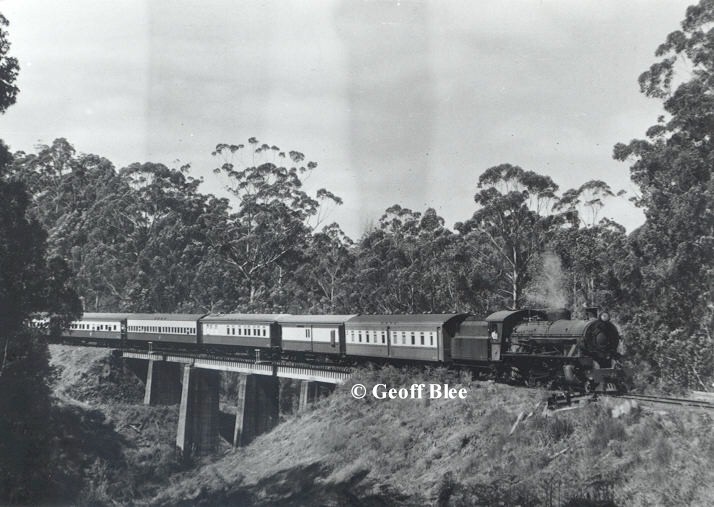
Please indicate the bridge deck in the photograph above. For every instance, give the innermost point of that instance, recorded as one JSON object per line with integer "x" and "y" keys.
{"x": 298, "y": 371}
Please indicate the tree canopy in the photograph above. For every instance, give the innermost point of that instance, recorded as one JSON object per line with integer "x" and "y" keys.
{"x": 671, "y": 256}
{"x": 9, "y": 68}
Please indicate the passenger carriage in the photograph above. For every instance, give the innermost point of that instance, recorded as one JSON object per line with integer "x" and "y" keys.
{"x": 180, "y": 328}
{"x": 242, "y": 330}
{"x": 413, "y": 337}
{"x": 98, "y": 328}
{"x": 316, "y": 334}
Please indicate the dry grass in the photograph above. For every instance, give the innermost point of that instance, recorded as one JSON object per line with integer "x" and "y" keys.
{"x": 459, "y": 452}
{"x": 344, "y": 451}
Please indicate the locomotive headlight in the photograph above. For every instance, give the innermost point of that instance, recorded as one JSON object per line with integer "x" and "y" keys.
{"x": 604, "y": 316}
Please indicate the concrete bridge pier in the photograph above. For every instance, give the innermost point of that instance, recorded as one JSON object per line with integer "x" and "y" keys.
{"x": 258, "y": 407}
{"x": 309, "y": 392}
{"x": 198, "y": 415}
{"x": 163, "y": 383}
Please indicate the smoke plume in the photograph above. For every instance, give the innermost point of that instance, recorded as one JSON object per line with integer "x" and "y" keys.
{"x": 547, "y": 290}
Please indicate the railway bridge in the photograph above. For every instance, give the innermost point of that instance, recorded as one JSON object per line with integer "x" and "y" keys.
{"x": 193, "y": 382}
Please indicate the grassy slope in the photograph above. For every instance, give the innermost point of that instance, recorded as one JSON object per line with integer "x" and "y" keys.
{"x": 345, "y": 451}
{"x": 460, "y": 452}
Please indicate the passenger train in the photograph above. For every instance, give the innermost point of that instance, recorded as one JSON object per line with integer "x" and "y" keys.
{"x": 535, "y": 347}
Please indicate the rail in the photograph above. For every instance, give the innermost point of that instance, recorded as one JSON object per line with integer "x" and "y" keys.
{"x": 665, "y": 400}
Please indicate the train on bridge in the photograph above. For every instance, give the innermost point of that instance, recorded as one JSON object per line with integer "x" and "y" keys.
{"x": 535, "y": 347}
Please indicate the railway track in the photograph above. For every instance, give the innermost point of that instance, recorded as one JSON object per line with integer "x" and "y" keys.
{"x": 664, "y": 400}
{"x": 560, "y": 401}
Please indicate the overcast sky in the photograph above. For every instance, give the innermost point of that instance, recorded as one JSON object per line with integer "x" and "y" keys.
{"x": 398, "y": 101}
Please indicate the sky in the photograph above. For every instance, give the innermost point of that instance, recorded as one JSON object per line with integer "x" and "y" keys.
{"x": 399, "y": 102}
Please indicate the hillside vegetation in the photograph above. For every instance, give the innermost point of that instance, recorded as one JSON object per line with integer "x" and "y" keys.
{"x": 343, "y": 450}
{"x": 109, "y": 446}
{"x": 460, "y": 452}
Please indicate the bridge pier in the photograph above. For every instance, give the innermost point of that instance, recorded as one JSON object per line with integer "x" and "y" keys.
{"x": 258, "y": 407}
{"x": 308, "y": 393}
{"x": 198, "y": 415}
{"x": 163, "y": 386}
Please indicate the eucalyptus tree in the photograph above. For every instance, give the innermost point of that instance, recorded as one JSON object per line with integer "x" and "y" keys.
{"x": 590, "y": 247}
{"x": 514, "y": 218}
{"x": 9, "y": 69}
{"x": 671, "y": 261}
{"x": 265, "y": 238}
{"x": 29, "y": 282}
{"x": 325, "y": 280}
{"x": 168, "y": 236}
{"x": 411, "y": 262}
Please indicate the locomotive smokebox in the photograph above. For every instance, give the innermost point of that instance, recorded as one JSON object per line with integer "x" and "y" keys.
{"x": 558, "y": 314}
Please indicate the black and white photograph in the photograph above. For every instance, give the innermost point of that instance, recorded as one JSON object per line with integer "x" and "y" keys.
{"x": 343, "y": 253}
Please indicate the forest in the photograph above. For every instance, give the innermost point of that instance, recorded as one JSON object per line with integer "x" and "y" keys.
{"x": 76, "y": 232}
{"x": 146, "y": 238}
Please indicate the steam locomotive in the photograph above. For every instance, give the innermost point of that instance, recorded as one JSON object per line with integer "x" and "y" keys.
{"x": 534, "y": 347}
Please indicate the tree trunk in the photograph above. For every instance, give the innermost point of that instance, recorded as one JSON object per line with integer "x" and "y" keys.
{"x": 515, "y": 282}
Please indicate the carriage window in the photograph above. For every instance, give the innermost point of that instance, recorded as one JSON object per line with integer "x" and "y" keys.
{"x": 359, "y": 336}
{"x": 384, "y": 337}
{"x": 422, "y": 338}
{"x": 431, "y": 339}
{"x": 332, "y": 334}
{"x": 366, "y": 334}
{"x": 265, "y": 332}
{"x": 413, "y": 339}
{"x": 404, "y": 338}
